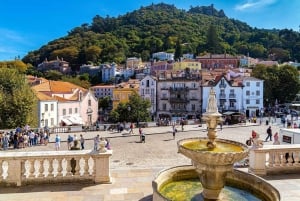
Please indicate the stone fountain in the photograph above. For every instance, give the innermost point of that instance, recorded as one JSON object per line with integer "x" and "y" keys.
{"x": 213, "y": 161}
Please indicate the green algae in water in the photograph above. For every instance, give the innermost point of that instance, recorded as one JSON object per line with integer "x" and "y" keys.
{"x": 190, "y": 190}
{"x": 200, "y": 145}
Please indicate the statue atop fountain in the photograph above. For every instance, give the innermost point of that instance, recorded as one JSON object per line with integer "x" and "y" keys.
{"x": 212, "y": 118}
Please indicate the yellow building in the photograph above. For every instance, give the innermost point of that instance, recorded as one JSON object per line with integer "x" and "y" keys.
{"x": 123, "y": 91}
{"x": 192, "y": 65}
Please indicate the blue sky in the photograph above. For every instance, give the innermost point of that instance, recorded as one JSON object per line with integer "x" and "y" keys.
{"x": 27, "y": 25}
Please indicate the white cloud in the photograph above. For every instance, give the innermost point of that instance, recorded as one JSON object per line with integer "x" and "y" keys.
{"x": 254, "y": 4}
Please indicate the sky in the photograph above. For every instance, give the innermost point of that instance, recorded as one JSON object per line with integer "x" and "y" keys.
{"x": 28, "y": 25}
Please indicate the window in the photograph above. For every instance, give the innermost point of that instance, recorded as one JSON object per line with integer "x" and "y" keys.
{"x": 89, "y": 103}
{"x": 52, "y": 107}
{"x": 70, "y": 110}
{"x": 147, "y": 83}
{"x": 247, "y": 93}
{"x": 52, "y": 121}
{"x": 257, "y": 101}
{"x": 257, "y": 93}
{"x": 64, "y": 112}
{"x": 76, "y": 110}
{"x": 164, "y": 106}
{"x": 193, "y": 107}
{"x": 248, "y": 84}
{"x": 46, "y": 107}
{"x": 257, "y": 84}
{"x": 247, "y": 101}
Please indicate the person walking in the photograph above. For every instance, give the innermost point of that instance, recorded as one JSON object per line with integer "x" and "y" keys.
{"x": 182, "y": 124}
{"x": 173, "y": 131}
{"x": 81, "y": 141}
{"x": 269, "y": 132}
{"x": 57, "y": 142}
{"x": 69, "y": 141}
{"x": 131, "y": 129}
{"x": 140, "y": 132}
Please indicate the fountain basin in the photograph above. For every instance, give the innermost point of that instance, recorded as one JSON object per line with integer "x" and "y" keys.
{"x": 241, "y": 181}
{"x": 227, "y": 152}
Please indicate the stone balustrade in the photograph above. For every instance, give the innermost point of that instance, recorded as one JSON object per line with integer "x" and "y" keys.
{"x": 21, "y": 168}
{"x": 275, "y": 159}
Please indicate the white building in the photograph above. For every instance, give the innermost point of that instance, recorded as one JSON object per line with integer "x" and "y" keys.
{"x": 253, "y": 94}
{"x": 242, "y": 94}
{"x": 162, "y": 56}
{"x": 148, "y": 92}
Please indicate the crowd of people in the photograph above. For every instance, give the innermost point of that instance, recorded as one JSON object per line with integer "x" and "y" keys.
{"x": 26, "y": 137}
{"x": 22, "y": 138}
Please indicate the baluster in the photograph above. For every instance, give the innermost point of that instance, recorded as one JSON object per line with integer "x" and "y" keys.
{"x": 41, "y": 169}
{"x": 86, "y": 167}
{"x": 290, "y": 158}
{"x": 296, "y": 158}
{"x": 23, "y": 168}
{"x": 59, "y": 167}
{"x": 50, "y": 168}
{"x": 69, "y": 167}
{"x": 282, "y": 159}
{"x": 277, "y": 158}
{"x": 92, "y": 167}
{"x": 271, "y": 159}
{"x": 31, "y": 169}
{"x": 1, "y": 170}
{"x": 77, "y": 167}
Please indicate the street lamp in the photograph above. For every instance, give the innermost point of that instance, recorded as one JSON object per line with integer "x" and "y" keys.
{"x": 42, "y": 120}
{"x": 129, "y": 109}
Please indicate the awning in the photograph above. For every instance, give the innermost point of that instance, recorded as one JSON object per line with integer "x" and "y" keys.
{"x": 72, "y": 120}
{"x": 228, "y": 113}
{"x": 67, "y": 122}
{"x": 75, "y": 120}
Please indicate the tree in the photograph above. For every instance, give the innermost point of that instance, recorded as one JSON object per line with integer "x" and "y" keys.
{"x": 178, "y": 50}
{"x": 135, "y": 110}
{"x": 15, "y": 64}
{"x": 92, "y": 53}
{"x": 17, "y": 100}
{"x": 281, "y": 83}
{"x": 212, "y": 40}
{"x": 139, "y": 108}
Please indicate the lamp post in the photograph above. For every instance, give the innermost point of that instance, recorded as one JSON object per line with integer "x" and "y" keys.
{"x": 42, "y": 120}
{"x": 129, "y": 109}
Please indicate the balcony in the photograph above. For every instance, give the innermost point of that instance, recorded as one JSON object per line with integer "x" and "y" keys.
{"x": 178, "y": 89}
{"x": 232, "y": 96}
{"x": 164, "y": 98}
{"x": 164, "y": 88}
{"x": 178, "y": 110}
{"x": 179, "y": 100}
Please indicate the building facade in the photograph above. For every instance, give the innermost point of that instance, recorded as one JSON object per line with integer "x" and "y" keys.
{"x": 148, "y": 92}
{"x": 179, "y": 96}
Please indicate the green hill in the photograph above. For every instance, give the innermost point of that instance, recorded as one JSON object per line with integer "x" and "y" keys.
{"x": 159, "y": 27}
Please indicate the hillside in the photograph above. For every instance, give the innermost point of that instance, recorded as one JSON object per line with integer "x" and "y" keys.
{"x": 159, "y": 27}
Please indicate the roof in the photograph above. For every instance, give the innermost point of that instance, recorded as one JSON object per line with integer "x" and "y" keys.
{"x": 51, "y": 90}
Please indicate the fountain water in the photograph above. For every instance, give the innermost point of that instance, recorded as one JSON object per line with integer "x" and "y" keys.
{"x": 213, "y": 161}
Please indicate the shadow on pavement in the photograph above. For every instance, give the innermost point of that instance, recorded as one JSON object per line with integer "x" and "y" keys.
{"x": 147, "y": 198}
